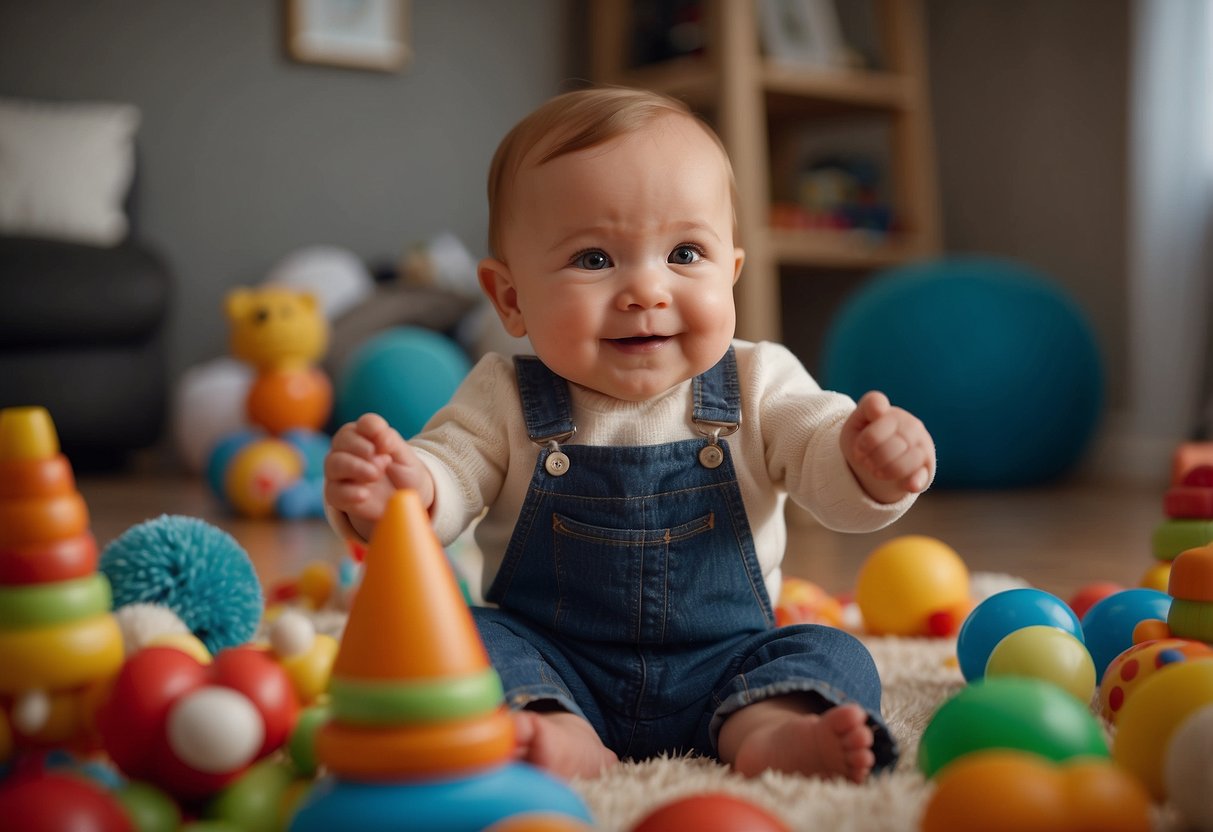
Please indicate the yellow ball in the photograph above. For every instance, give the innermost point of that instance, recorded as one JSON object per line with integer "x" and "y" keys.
{"x": 258, "y": 473}
{"x": 316, "y": 583}
{"x": 1047, "y": 653}
{"x": 1158, "y": 576}
{"x": 309, "y": 672}
{"x": 1153, "y": 713}
{"x": 913, "y": 586}
{"x": 187, "y": 643}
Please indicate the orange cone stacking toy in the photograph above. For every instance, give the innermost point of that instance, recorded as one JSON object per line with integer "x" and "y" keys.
{"x": 418, "y": 727}
{"x": 58, "y": 641}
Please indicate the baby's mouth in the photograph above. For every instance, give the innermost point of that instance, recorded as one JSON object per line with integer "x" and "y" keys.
{"x": 640, "y": 340}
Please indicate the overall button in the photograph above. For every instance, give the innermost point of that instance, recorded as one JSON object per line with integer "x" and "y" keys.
{"x": 557, "y": 464}
{"x": 710, "y": 456}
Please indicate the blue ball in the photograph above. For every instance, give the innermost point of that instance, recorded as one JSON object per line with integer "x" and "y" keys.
{"x": 997, "y": 361}
{"x": 195, "y": 569}
{"x": 1108, "y": 625}
{"x": 1002, "y": 614}
{"x": 467, "y": 803}
{"x": 405, "y": 375}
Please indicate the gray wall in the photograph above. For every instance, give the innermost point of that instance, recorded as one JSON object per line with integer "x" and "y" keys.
{"x": 246, "y": 156}
{"x": 1031, "y": 115}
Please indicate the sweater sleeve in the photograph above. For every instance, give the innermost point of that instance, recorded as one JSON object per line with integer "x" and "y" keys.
{"x": 801, "y": 425}
{"x": 466, "y": 445}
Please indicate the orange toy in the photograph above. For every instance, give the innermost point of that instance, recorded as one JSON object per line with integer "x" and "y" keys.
{"x": 59, "y": 644}
{"x": 405, "y": 705}
{"x": 1188, "y": 456}
{"x": 1013, "y": 791}
{"x": 418, "y": 734}
{"x": 804, "y": 602}
{"x": 282, "y": 333}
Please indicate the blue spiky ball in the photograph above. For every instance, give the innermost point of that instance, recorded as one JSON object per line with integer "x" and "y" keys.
{"x": 195, "y": 569}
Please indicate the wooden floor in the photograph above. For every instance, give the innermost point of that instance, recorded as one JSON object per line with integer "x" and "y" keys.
{"x": 1057, "y": 538}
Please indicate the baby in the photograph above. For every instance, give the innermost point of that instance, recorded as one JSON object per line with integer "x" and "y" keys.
{"x": 635, "y": 471}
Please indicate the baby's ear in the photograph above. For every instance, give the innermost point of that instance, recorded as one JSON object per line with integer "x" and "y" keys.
{"x": 498, "y": 284}
{"x": 738, "y": 262}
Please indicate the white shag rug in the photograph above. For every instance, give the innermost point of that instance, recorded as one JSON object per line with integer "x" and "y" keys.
{"x": 918, "y": 675}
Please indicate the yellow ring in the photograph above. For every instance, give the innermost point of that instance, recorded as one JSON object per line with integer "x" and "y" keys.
{"x": 58, "y": 657}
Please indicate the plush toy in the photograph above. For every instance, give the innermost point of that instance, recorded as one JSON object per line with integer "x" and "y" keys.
{"x": 276, "y": 468}
{"x": 282, "y": 333}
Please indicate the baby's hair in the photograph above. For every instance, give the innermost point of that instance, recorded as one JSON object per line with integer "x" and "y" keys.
{"x": 574, "y": 121}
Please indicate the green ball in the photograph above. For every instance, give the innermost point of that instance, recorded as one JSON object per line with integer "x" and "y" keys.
{"x": 149, "y": 809}
{"x": 1010, "y": 712}
{"x": 301, "y": 747}
{"x": 253, "y": 802}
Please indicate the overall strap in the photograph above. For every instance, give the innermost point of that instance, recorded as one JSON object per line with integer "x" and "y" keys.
{"x": 717, "y": 396}
{"x": 548, "y": 411}
{"x": 545, "y": 401}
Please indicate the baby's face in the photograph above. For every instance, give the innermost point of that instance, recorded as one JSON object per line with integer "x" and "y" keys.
{"x": 623, "y": 262}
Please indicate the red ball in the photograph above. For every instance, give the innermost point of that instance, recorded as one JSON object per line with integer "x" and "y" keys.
{"x": 711, "y": 812}
{"x": 1089, "y": 595}
{"x": 41, "y": 801}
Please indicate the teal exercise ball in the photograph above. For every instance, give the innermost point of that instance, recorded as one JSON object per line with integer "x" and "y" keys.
{"x": 994, "y": 357}
{"x": 405, "y": 374}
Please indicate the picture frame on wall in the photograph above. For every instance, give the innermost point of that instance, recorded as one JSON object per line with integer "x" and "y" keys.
{"x": 354, "y": 34}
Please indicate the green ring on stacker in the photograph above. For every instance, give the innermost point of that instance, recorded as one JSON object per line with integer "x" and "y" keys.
{"x": 433, "y": 700}
{"x": 1191, "y": 619}
{"x": 44, "y": 605}
{"x": 1172, "y": 537}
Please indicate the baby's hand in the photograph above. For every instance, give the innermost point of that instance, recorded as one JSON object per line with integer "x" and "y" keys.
{"x": 367, "y": 463}
{"x": 889, "y": 449}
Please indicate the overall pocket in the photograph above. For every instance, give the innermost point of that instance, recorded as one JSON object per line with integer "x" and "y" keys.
{"x": 615, "y": 584}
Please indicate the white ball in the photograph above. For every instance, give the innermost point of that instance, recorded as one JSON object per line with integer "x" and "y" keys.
{"x": 140, "y": 623}
{"x": 208, "y": 405}
{"x": 215, "y": 730}
{"x": 31, "y": 711}
{"x": 291, "y": 634}
{"x": 1188, "y": 769}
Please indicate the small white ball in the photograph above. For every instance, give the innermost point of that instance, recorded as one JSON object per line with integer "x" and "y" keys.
{"x": 1188, "y": 769}
{"x": 31, "y": 711}
{"x": 141, "y": 623}
{"x": 215, "y": 730}
{"x": 292, "y": 634}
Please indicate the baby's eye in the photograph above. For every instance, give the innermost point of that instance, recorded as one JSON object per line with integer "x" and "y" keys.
{"x": 685, "y": 254}
{"x": 591, "y": 260}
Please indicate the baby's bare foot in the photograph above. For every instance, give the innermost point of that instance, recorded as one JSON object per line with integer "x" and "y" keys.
{"x": 561, "y": 743}
{"x": 835, "y": 743}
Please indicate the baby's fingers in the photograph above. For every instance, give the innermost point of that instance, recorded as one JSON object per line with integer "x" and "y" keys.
{"x": 346, "y": 496}
{"x": 346, "y": 467}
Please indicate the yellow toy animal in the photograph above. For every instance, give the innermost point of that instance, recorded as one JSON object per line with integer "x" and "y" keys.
{"x": 282, "y": 332}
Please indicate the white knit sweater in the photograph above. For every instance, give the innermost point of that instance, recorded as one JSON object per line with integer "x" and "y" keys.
{"x": 480, "y": 456}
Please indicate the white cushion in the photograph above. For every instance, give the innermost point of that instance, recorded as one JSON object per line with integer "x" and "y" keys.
{"x": 65, "y": 169}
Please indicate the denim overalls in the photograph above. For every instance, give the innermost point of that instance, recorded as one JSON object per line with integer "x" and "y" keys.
{"x": 631, "y": 593}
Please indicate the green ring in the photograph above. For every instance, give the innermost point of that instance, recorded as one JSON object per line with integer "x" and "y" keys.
{"x": 44, "y": 605}
{"x": 1191, "y": 619}
{"x": 437, "y": 700}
